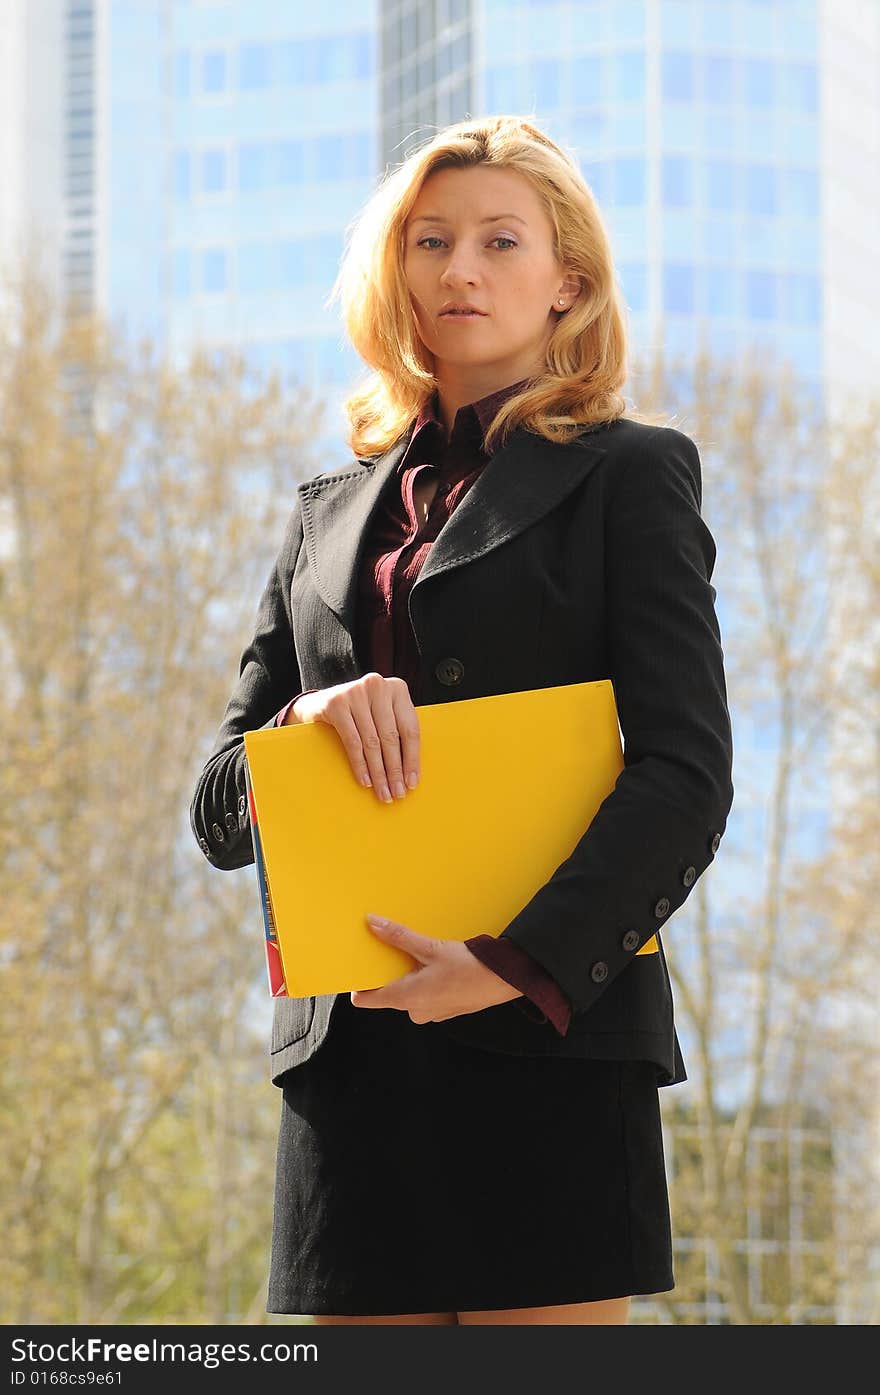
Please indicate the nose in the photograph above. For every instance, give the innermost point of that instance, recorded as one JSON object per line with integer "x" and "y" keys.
{"x": 460, "y": 269}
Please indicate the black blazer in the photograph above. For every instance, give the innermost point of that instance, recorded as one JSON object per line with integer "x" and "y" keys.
{"x": 562, "y": 564}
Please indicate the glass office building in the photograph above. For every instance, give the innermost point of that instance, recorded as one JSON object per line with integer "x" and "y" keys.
{"x": 241, "y": 139}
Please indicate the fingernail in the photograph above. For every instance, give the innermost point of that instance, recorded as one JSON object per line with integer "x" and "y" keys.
{"x": 386, "y": 794}
{"x": 377, "y": 919}
{"x": 400, "y": 789}
{"x": 412, "y": 779}
{"x": 365, "y": 780}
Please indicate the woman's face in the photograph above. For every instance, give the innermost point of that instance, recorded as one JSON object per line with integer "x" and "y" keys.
{"x": 481, "y": 236}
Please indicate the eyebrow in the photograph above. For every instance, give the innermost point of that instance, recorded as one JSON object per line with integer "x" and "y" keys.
{"x": 493, "y": 218}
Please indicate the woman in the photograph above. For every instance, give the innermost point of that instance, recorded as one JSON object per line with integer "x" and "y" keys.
{"x": 479, "y": 1141}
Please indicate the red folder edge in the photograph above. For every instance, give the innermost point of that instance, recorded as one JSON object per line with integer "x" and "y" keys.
{"x": 274, "y": 968}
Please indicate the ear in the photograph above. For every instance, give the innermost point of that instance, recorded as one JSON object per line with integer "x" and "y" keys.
{"x": 569, "y": 289}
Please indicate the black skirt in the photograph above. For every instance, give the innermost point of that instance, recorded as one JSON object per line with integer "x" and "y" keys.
{"x": 415, "y": 1174}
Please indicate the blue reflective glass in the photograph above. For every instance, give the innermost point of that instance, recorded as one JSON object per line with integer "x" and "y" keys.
{"x": 677, "y": 181}
{"x": 291, "y": 63}
{"x": 213, "y": 171}
{"x": 586, "y": 130}
{"x": 182, "y": 73}
{"x": 214, "y": 70}
{"x": 629, "y": 76}
{"x": 362, "y": 154}
{"x": 182, "y": 166}
{"x": 598, "y": 175}
{"x": 678, "y": 289}
{"x": 546, "y": 76}
{"x": 678, "y": 76}
{"x": 802, "y": 87}
{"x": 324, "y": 254}
{"x": 255, "y": 267}
{"x": 214, "y": 269}
{"x": 253, "y": 66}
{"x": 330, "y": 157}
{"x": 181, "y": 285}
{"x": 291, "y": 264}
{"x": 802, "y": 299}
{"x": 252, "y": 167}
{"x": 634, "y": 284}
{"x": 332, "y": 58}
{"x": 363, "y": 61}
{"x": 803, "y": 192}
{"x": 720, "y": 290}
{"x": 760, "y": 82}
{"x": 761, "y": 294}
{"x": 721, "y": 185}
{"x": 761, "y": 189}
{"x": 718, "y": 80}
{"x": 291, "y": 162}
{"x": 629, "y": 181}
{"x": 502, "y": 93}
{"x": 297, "y": 357}
{"x": 586, "y": 79}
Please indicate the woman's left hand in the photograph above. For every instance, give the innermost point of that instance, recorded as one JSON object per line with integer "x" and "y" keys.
{"x": 447, "y": 981}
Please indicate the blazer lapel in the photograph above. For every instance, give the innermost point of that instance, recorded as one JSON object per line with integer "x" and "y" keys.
{"x": 522, "y": 482}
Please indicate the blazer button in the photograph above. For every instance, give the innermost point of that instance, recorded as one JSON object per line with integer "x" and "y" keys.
{"x": 205, "y": 846}
{"x": 218, "y": 833}
{"x": 242, "y": 803}
{"x": 715, "y": 843}
{"x": 449, "y": 671}
{"x": 232, "y": 823}
{"x": 631, "y": 940}
{"x": 662, "y": 907}
{"x": 599, "y": 971}
{"x": 689, "y": 876}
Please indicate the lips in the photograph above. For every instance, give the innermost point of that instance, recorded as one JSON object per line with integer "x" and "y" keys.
{"x": 472, "y": 314}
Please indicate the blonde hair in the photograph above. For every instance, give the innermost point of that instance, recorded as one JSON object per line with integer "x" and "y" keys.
{"x": 586, "y": 355}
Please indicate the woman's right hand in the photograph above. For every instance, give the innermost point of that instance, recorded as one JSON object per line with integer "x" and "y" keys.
{"x": 377, "y": 725}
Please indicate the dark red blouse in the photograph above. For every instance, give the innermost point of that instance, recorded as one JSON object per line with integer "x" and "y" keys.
{"x": 393, "y": 556}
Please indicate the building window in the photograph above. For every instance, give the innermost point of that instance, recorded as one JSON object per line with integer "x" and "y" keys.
{"x": 215, "y": 270}
{"x": 719, "y": 291}
{"x": 634, "y": 284}
{"x": 678, "y": 289}
{"x": 252, "y": 167}
{"x": 182, "y": 174}
{"x": 629, "y": 76}
{"x": 761, "y": 294}
{"x": 292, "y": 66}
{"x": 677, "y": 178}
{"x": 721, "y": 186}
{"x": 291, "y": 155}
{"x": 802, "y": 193}
{"x": 253, "y": 69}
{"x": 678, "y": 77}
{"x": 214, "y": 70}
{"x": 802, "y": 299}
{"x": 180, "y": 273}
{"x": 718, "y": 81}
{"x": 213, "y": 171}
{"x": 182, "y": 74}
{"x": 761, "y": 196}
{"x": 802, "y": 87}
{"x": 760, "y": 82}
{"x": 629, "y": 178}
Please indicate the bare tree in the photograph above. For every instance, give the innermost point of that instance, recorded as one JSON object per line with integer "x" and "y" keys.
{"x": 142, "y": 505}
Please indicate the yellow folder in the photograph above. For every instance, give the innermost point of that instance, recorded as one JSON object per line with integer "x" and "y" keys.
{"x": 508, "y": 785}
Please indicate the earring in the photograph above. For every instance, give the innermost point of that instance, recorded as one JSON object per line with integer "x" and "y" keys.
{"x": 561, "y": 300}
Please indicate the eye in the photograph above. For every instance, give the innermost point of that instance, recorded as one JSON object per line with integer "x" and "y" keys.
{"x": 499, "y": 238}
